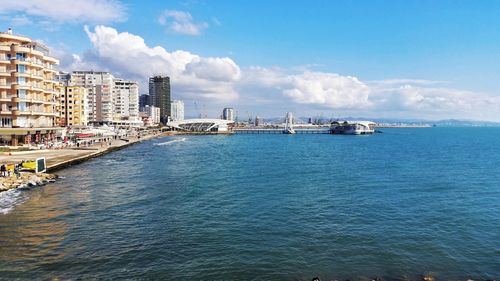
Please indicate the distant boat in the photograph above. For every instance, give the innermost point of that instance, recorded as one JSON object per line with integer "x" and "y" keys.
{"x": 353, "y": 127}
{"x": 289, "y": 131}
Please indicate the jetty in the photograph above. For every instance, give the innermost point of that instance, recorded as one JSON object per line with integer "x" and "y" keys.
{"x": 281, "y": 131}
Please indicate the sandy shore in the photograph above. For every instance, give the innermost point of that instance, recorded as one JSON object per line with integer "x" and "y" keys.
{"x": 61, "y": 158}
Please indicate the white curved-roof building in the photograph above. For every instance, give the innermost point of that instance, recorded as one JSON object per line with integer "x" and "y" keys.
{"x": 201, "y": 125}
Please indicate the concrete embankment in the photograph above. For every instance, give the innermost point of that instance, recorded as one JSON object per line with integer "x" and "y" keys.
{"x": 54, "y": 166}
{"x": 59, "y": 159}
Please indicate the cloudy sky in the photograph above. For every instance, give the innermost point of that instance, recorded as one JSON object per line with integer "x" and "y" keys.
{"x": 379, "y": 59}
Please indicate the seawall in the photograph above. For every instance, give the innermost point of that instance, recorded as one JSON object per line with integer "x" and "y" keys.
{"x": 77, "y": 160}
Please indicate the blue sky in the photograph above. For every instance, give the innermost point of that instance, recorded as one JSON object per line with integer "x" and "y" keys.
{"x": 401, "y": 59}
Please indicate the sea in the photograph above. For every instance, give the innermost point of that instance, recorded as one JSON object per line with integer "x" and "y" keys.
{"x": 397, "y": 205}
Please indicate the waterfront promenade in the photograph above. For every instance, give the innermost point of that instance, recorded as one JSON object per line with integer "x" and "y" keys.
{"x": 57, "y": 158}
{"x": 60, "y": 158}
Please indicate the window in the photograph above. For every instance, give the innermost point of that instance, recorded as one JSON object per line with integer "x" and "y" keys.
{"x": 21, "y": 94}
{"x": 21, "y": 80}
{"x": 21, "y": 68}
{"x": 20, "y": 56}
{"x": 5, "y": 122}
{"x": 22, "y": 106}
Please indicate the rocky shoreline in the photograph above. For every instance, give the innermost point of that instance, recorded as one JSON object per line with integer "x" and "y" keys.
{"x": 26, "y": 180}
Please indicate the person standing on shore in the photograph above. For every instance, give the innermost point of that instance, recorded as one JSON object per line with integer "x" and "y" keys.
{"x": 17, "y": 168}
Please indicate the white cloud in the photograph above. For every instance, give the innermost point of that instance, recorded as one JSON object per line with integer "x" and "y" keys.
{"x": 219, "y": 81}
{"x": 329, "y": 90}
{"x": 65, "y": 11}
{"x": 181, "y": 22}
{"x": 435, "y": 102}
{"x": 128, "y": 55}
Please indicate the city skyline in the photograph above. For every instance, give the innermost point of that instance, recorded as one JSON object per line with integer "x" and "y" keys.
{"x": 424, "y": 60}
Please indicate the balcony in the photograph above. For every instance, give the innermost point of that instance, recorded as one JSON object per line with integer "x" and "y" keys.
{"x": 36, "y": 76}
{"x": 5, "y": 48}
{"x": 5, "y": 73}
{"x": 52, "y": 70}
{"x": 20, "y": 74}
{"x": 51, "y": 59}
{"x": 50, "y": 81}
{"x": 42, "y": 113}
{"x": 37, "y": 64}
{"x": 36, "y": 88}
{"x": 20, "y": 61}
{"x": 19, "y": 49}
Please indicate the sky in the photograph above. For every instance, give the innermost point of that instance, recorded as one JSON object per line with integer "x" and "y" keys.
{"x": 377, "y": 59}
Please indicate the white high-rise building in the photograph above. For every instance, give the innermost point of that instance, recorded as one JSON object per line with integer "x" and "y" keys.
{"x": 177, "y": 110}
{"x": 153, "y": 112}
{"x": 228, "y": 114}
{"x": 126, "y": 100}
{"x": 99, "y": 87}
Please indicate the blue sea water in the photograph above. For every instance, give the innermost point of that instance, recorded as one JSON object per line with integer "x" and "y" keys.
{"x": 397, "y": 205}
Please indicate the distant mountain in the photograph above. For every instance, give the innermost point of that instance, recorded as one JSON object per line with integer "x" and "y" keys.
{"x": 440, "y": 123}
{"x": 466, "y": 123}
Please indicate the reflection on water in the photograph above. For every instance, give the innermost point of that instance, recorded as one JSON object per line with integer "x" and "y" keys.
{"x": 267, "y": 207}
{"x": 35, "y": 231}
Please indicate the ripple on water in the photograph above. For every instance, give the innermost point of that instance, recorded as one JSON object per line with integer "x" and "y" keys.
{"x": 9, "y": 199}
{"x": 266, "y": 207}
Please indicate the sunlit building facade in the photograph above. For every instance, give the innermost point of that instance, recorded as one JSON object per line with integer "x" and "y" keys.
{"x": 100, "y": 86}
{"x": 74, "y": 106}
{"x": 28, "y": 91}
{"x": 126, "y": 100}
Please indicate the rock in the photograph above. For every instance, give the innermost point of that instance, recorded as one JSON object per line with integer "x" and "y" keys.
{"x": 429, "y": 278}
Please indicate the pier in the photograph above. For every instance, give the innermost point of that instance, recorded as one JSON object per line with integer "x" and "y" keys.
{"x": 281, "y": 131}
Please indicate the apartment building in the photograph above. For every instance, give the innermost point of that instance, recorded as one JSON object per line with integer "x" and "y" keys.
{"x": 28, "y": 91}
{"x": 177, "y": 110}
{"x": 126, "y": 100}
{"x": 99, "y": 87}
{"x": 74, "y": 106}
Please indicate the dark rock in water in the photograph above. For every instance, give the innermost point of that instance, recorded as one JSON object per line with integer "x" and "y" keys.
{"x": 316, "y": 279}
{"x": 428, "y": 278}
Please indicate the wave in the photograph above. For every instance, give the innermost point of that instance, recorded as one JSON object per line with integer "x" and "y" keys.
{"x": 171, "y": 141}
{"x": 9, "y": 199}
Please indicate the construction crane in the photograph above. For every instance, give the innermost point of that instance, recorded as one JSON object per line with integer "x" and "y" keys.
{"x": 197, "y": 110}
